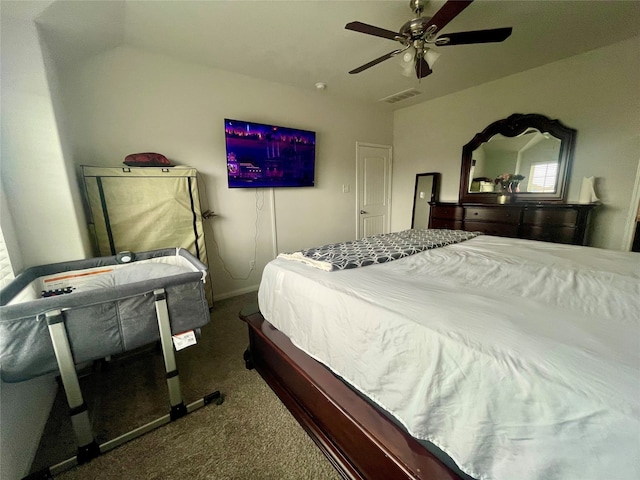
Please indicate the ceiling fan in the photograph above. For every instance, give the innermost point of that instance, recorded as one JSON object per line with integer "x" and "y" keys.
{"x": 417, "y": 34}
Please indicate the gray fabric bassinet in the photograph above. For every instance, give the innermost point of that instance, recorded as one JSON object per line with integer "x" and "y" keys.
{"x": 108, "y": 308}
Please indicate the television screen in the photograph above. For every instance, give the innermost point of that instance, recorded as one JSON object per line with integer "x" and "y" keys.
{"x": 269, "y": 156}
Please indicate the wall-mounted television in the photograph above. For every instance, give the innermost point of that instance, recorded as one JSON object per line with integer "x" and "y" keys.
{"x": 260, "y": 155}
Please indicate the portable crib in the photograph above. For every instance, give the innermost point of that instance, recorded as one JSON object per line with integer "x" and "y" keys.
{"x": 55, "y": 317}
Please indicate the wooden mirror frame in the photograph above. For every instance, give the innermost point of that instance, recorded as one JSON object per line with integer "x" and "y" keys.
{"x": 513, "y": 126}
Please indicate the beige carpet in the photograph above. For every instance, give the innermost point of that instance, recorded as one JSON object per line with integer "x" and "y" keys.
{"x": 250, "y": 436}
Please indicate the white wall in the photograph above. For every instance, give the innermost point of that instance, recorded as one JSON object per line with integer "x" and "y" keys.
{"x": 39, "y": 216}
{"x": 596, "y": 93}
{"x": 25, "y": 406}
{"x": 34, "y": 172}
{"x": 127, "y": 100}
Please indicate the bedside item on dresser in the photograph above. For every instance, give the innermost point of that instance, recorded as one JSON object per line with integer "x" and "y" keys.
{"x": 507, "y": 184}
{"x": 503, "y": 198}
{"x": 587, "y": 191}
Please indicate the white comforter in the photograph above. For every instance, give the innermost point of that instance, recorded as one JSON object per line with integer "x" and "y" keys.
{"x": 519, "y": 359}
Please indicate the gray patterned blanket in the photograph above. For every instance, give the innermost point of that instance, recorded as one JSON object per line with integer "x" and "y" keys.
{"x": 377, "y": 249}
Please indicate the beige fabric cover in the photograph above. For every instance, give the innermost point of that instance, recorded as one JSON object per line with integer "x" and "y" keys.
{"x": 147, "y": 208}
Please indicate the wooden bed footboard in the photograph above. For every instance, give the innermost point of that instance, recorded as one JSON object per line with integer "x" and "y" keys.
{"x": 360, "y": 441}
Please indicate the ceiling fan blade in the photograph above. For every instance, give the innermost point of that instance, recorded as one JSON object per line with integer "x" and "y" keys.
{"x": 371, "y": 30}
{"x": 448, "y": 12}
{"x": 422, "y": 68}
{"x": 375, "y": 62}
{"x": 476, "y": 36}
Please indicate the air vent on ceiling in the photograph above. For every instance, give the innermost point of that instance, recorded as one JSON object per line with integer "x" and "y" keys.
{"x": 403, "y": 95}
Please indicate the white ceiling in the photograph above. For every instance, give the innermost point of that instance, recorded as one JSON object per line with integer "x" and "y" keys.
{"x": 300, "y": 43}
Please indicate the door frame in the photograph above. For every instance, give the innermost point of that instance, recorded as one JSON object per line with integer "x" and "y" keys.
{"x": 632, "y": 215}
{"x": 389, "y": 149}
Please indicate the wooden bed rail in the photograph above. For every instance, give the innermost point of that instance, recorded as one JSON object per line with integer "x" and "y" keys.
{"x": 360, "y": 441}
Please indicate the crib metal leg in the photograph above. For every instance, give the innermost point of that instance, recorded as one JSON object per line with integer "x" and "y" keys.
{"x": 178, "y": 408}
{"x": 87, "y": 445}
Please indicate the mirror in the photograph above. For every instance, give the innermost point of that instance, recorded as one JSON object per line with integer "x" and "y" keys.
{"x": 526, "y": 156}
{"x": 425, "y": 192}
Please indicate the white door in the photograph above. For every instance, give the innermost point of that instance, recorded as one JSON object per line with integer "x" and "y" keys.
{"x": 373, "y": 187}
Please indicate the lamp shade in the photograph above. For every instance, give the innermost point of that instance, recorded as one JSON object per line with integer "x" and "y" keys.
{"x": 407, "y": 61}
{"x": 431, "y": 56}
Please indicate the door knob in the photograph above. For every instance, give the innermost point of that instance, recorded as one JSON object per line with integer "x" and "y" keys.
{"x": 362, "y": 212}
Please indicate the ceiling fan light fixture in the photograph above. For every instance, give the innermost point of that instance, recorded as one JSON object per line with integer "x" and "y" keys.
{"x": 408, "y": 72}
{"x": 408, "y": 57}
{"x": 431, "y": 56}
{"x": 421, "y": 31}
{"x": 407, "y": 61}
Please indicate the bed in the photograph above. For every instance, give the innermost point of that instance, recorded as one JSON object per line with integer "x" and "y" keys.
{"x": 57, "y": 318}
{"x": 487, "y": 358}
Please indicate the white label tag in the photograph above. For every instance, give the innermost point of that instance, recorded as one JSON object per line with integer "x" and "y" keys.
{"x": 184, "y": 340}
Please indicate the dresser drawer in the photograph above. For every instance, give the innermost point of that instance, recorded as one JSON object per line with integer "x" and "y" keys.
{"x": 497, "y": 229}
{"x": 450, "y": 212}
{"x": 492, "y": 214}
{"x": 550, "y": 234}
{"x": 445, "y": 223}
{"x": 559, "y": 223}
{"x": 546, "y": 216}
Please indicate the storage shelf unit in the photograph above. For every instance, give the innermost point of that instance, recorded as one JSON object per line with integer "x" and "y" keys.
{"x": 145, "y": 208}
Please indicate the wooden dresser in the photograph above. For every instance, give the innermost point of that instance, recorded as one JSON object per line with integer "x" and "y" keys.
{"x": 558, "y": 223}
